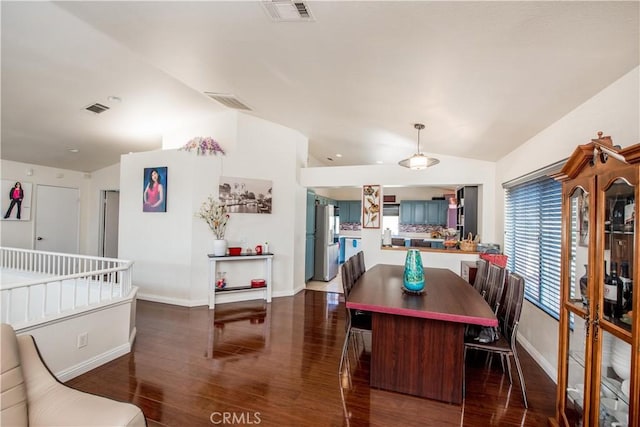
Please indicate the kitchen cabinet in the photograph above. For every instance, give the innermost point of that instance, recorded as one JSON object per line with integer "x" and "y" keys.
{"x": 423, "y": 212}
{"x": 598, "y": 361}
{"x": 350, "y": 211}
{"x": 467, "y": 210}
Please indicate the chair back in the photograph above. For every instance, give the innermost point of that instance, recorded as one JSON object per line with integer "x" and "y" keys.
{"x": 509, "y": 316}
{"x": 495, "y": 286}
{"x": 361, "y": 266}
{"x": 347, "y": 277}
{"x": 479, "y": 284}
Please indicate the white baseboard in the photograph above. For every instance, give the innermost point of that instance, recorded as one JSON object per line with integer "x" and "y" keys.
{"x": 549, "y": 369}
{"x": 94, "y": 362}
{"x": 172, "y": 301}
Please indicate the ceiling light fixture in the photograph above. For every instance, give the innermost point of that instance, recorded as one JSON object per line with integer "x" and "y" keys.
{"x": 419, "y": 161}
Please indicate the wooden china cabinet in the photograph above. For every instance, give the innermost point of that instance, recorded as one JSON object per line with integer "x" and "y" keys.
{"x": 598, "y": 367}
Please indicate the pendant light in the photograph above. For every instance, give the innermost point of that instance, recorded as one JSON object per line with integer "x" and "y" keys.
{"x": 419, "y": 161}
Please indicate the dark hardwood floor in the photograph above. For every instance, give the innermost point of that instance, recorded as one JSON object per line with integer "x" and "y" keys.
{"x": 276, "y": 364}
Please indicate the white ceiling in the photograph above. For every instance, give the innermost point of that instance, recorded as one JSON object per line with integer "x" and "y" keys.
{"x": 483, "y": 76}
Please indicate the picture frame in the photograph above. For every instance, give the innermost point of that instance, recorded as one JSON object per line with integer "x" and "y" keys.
{"x": 154, "y": 185}
{"x": 246, "y": 195}
{"x": 371, "y": 211}
{"x": 6, "y": 198}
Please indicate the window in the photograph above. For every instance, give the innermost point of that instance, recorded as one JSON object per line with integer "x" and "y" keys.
{"x": 390, "y": 218}
{"x": 533, "y": 221}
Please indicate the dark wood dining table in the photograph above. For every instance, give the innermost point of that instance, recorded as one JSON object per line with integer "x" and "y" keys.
{"x": 418, "y": 340}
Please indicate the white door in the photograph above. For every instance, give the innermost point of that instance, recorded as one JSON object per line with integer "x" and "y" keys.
{"x": 57, "y": 219}
{"x": 109, "y": 224}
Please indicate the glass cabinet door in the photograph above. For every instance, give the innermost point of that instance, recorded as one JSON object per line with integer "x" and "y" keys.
{"x": 617, "y": 304}
{"x": 577, "y": 309}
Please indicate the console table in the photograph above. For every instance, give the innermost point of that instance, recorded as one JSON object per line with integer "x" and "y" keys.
{"x": 247, "y": 291}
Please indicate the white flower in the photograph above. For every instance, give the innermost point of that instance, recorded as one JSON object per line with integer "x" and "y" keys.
{"x": 216, "y": 216}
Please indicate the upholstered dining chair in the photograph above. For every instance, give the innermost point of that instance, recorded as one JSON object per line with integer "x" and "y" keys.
{"x": 357, "y": 323}
{"x": 508, "y": 320}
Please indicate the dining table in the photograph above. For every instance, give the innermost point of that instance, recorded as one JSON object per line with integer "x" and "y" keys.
{"x": 417, "y": 344}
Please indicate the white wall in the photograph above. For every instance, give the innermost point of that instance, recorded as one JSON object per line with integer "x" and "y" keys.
{"x": 615, "y": 111}
{"x": 21, "y": 234}
{"x": 170, "y": 248}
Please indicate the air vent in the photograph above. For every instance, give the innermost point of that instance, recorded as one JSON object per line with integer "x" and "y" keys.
{"x": 227, "y": 100}
{"x": 283, "y": 10}
{"x": 97, "y": 108}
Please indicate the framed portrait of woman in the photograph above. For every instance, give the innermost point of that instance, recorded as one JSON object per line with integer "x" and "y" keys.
{"x": 154, "y": 194}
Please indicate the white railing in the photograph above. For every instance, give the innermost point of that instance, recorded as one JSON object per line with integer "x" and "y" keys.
{"x": 38, "y": 285}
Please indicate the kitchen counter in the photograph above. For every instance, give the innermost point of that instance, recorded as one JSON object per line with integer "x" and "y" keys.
{"x": 426, "y": 249}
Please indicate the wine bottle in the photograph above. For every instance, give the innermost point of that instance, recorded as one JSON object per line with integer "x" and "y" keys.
{"x": 610, "y": 292}
{"x": 619, "y": 285}
{"x": 628, "y": 287}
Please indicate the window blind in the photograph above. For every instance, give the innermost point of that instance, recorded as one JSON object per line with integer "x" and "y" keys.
{"x": 533, "y": 221}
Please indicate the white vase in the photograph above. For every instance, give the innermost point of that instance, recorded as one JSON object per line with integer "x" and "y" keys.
{"x": 219, "y": 247}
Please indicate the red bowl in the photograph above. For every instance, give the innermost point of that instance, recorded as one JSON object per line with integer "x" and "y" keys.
{"x": 235, "y": 250}
{"x": 258, "y": 283}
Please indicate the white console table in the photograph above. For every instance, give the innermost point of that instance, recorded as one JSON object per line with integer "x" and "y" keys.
{"x": 247, "y": 291}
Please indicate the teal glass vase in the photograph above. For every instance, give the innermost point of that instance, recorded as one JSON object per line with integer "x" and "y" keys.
{"x": 413, "y": 279}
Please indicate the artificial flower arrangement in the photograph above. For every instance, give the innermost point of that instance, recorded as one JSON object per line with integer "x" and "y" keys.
{"x": 215, "y": 214}
{"x": 203, "y": 145}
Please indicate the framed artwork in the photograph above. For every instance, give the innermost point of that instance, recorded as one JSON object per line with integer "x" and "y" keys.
{"x": 16, "y": 200}
{"x": 371, "y": 206}
{"x": 245, "y": 195}
{"x": 583, "y": 219}
{"x": 154, "y": 195}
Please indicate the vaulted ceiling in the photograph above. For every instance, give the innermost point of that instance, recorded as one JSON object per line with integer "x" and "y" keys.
{"x": 483, "y": 76}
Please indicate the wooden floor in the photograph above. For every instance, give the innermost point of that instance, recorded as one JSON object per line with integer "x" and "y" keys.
{"x": 277, "y": 365}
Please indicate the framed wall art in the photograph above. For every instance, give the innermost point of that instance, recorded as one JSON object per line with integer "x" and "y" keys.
{"x": 154, "y": 196}
{"x": 245, "y": 195}
{"x": 371, "y": 206}
{"x": 16, "y": 200}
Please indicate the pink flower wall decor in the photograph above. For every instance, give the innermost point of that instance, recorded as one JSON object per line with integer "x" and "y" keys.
{"x": 203, "y": 145}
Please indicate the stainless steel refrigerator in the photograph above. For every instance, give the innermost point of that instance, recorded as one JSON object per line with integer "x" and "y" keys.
{"x": 326, "y": 250}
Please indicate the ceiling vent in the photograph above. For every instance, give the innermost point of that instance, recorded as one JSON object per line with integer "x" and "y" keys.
{"x": 283, "y": 10}
{"x": 228, "y": 100}
{"x": 97, "y": 108}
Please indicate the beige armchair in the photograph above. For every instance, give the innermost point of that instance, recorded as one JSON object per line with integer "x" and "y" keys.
{"x": 32, "y": 396}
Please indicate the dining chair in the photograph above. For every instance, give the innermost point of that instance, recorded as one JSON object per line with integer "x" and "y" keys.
{"x": 508, "y": 320}
{"x": 494, "y": 286}
{"x": 355, "y": 269}
{"x": 360, "y": 264}
{"x": 357, "y": 323}
{"x": 480, "y": 281}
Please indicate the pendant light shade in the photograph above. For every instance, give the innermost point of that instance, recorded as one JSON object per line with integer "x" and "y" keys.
{"x": 419, "y": 160}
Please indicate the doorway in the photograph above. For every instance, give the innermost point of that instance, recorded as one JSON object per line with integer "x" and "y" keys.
{"x": 109, "y": 217}
{"x": 57, "y": 219}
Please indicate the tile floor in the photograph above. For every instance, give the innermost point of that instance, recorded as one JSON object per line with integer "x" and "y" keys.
{"x": 334, "y": 285}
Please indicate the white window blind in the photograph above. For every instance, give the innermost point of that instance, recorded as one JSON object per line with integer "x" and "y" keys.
{"x": 533, "y": 220}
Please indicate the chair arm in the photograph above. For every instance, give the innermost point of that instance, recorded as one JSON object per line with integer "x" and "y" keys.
{"x": 53, "y": 403}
